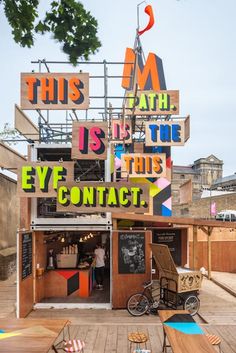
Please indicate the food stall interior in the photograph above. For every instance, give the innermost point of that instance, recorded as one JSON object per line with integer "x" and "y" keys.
{"x": 65, "y": 267}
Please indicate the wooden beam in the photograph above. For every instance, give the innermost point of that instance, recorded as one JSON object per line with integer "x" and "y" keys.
{"x": 173, "y": 220}
{"x": 24, "y": 125}
{"x": 195, "y": 248}
{"x": 9, "y": 158}
{"x": 209, "y": 251}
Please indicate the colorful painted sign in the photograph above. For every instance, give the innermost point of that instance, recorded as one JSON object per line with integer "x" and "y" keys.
{"x": 41, "y": 179}
{"x": 143, "y": 165}
{"x": 89, "y": 140}
{"x": 54, "y": 91}
{"x": 102, "y": 197}
{"x": 121, "y": 131}
{"x": 150, "y": 75}
{"x": 166, "y": 133}
{"x": 152, "y": 103}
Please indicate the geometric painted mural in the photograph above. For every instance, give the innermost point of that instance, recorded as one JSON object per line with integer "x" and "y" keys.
{"x": 159, "y": 188}
{"x": 72, "y": 278}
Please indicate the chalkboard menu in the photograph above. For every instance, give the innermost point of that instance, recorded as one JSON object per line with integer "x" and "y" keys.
{"x": 171, "y": 238}
{"x": 26, "y": 255}
{"x": 131, "y": 257}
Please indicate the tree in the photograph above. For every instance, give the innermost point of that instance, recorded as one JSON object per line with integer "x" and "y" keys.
{"x": 68, "y": 22}
{"x": 9, "y": 134}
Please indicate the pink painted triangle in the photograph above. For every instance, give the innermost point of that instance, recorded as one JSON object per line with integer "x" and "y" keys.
{"x": 167, "y": 203}
{"x": 162, "y": 183}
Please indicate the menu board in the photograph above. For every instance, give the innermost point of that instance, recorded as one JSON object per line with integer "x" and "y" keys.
{"x": 171, "y": 238}
{"x": 26, "y": 255}
{"x": 131, "y": 253}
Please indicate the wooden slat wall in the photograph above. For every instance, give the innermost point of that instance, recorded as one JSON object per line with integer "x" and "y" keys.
{"x": 124, "y": 285}
{"x": 222, "y": 258}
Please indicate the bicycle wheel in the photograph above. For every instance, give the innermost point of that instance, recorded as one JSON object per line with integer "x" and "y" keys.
{"x": 138, "y": 304}
{"x": 192, "y": 304}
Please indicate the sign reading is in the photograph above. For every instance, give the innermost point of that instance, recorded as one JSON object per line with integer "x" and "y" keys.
{"x": 89, "y": 140}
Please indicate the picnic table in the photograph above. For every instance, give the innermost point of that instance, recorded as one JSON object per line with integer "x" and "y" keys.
{"x": 29, "y": 335}
{"x": 183, "y": 333}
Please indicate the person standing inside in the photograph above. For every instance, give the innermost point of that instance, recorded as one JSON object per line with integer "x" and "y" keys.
{"x": 99, "y": 266}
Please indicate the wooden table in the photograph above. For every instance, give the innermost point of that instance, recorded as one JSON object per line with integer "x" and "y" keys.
{"x": 29, "y": 335}
{"x": 183, "y": 335}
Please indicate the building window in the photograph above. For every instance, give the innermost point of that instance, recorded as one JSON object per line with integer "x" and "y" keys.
{"x": 182, "y": 176}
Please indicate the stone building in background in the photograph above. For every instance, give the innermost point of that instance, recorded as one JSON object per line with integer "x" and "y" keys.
{"x": 200, "y": 189}
{"x": 190, "y": 181}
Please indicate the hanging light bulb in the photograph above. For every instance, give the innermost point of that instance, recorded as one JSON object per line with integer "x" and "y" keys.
{"x": 81, "y": 240}
{"x": 85, "y": 238}
{"x": 91, "y": 235}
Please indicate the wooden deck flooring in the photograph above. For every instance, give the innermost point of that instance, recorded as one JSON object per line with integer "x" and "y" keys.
{"x": 112, "y": 338}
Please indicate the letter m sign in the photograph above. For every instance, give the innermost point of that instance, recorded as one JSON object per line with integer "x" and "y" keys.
{"x": 150, "y": 76}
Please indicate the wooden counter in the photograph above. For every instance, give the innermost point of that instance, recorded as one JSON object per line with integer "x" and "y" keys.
{"x": 68, "y": 282}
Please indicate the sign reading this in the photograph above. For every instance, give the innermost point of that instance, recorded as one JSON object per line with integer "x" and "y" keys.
{"x": 54, "y": 91}
{"x": 121, "y": 132}
{"x": 152, "y": 103}
{"x": 41, "y": 179}
{"x": 89, "y": 140}
{"x": 102, "y": 197}
{"x": 143, "y": 165}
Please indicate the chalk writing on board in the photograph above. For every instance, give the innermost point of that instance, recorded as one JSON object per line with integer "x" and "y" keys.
{"x": 131, "y": 253}
{"x": 26, "y": 255}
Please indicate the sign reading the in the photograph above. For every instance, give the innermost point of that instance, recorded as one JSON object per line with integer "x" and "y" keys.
{"x": 89, "y": 140}
{"x": 102, "y": 197}
{"x": 54, "y": 91}
{"x": 41, "y": 179}
{"x": 121, "y": 132}
{"x": 152, "y": 103}
{"x": 164, "y": 133}
{"x": 143, "y": 165}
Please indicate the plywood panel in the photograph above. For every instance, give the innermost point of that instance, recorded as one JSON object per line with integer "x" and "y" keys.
{"x": 24, "y": 125}
{"x": 165, "y": 133}
{"x": 9, "y": 158}
{"x": 29, "y": 181}
{"x": 103, "y": 197}
{"x": 124, "y": 285}
{"x": 54, "y": 91}
{"x": 121, "y": 131}
{"x": 152, "y": 103}
{"x": 186, "y": 192}
{"x": 89, "y": 140}
{"x": 137, "y": 165}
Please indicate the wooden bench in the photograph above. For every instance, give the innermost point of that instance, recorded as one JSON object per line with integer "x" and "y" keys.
{"x": 183, "y": 333}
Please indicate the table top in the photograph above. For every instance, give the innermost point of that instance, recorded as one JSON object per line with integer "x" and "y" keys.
{"x": 183, "y": 333}
{"x": 17, "y": 335}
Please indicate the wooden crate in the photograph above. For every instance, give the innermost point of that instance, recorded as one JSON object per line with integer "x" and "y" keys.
{"x": 187, "y": 280}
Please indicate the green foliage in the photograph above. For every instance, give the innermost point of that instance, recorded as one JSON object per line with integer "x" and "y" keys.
{"x": 10, "y": 134}
{"x": 68, "y": 22}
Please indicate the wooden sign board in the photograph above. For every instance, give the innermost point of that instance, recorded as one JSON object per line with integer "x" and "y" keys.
{"x": 24, "y": 125}
{"x": 152, "y": 103}
{"x": 166, "y": 133}
{"x": 143, "y": 165}
{"x": 89, "y": 140}
{"x": 93, "y": 197}
{"x": 27, "y": 252}
{"x": 9, "y": 158}
{"x": 41, "y": 179}
{"x": 121, "y": 131}
{"x": 54, "y": 91}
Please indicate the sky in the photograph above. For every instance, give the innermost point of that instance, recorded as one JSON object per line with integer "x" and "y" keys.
{"x": 196, "y": 40}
